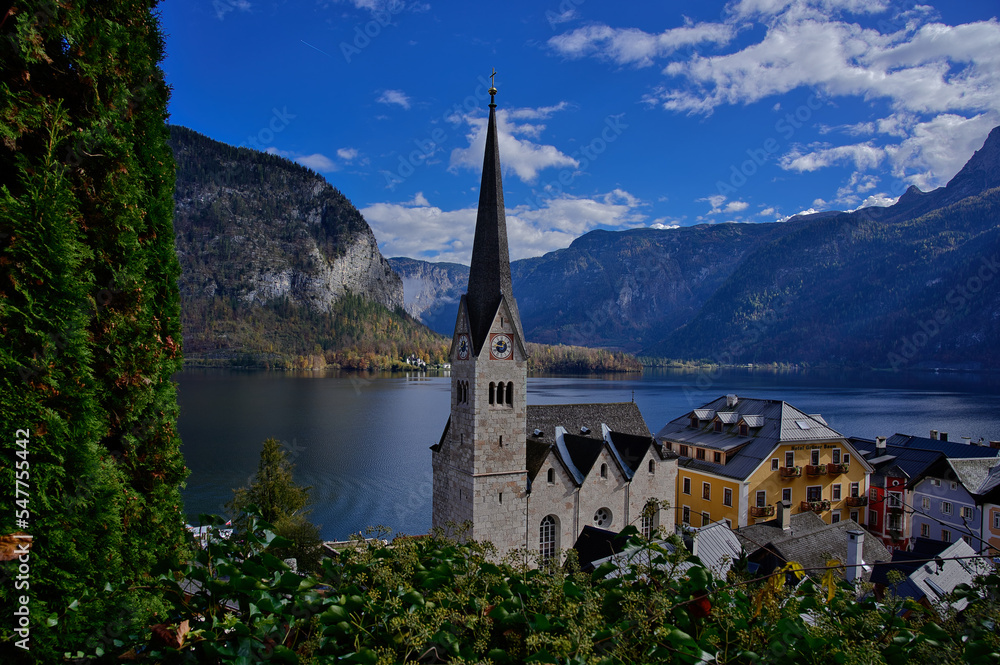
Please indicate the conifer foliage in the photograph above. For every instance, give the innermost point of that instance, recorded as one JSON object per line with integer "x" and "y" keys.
{"x": 89, "y": 312}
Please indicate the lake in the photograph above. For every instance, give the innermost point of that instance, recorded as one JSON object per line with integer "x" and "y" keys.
{"x": 362, "y": 441}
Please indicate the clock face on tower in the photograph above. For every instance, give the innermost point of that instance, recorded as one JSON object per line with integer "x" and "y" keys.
{"x": 500, "y": 347}
{"x": 463, "y": 347}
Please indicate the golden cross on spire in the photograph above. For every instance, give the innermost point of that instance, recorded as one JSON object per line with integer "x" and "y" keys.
{"x": 493, "y": 88}
{"x": 491, "y": 78}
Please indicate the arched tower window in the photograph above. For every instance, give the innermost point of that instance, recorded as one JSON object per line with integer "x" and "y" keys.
{"x": 652, "y": 466}
{"x": 500, "y": 393}
{"x": 548, "y": 537}
{"x": 493, "y": 388}
{"x": 510, "y": 394}
{"x": 604, "y": 471}
{"x": 551, "y": 476}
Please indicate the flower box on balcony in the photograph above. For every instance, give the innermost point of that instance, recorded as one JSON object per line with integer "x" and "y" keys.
{"x": 761, "y": 511}
{"x": 815, "y": 469}
{"x": 855, "y": 501}
{"x": 837, "y": 469}
{"x": 897, "y": 508}
{"x": 815, "y": 506}
{"x": 895, "y": 534}
{"x": 790, "y": 471}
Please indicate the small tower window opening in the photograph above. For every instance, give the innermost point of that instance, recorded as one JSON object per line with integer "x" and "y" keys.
{"x": 510, "y": 394}
{"x": 551, "y": 476}
{"x": 500, "y": 387}
{"x": 501, "y": 440}
{"x": 604, "y": 471}
{"x": 493, "y": 388}
{"x": 652, "y": 467}
{"x": 501, "y": 497}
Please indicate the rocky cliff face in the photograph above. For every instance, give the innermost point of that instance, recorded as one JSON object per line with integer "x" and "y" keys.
{"x": 257, "y": 228}
{"x": 431, "y": 291}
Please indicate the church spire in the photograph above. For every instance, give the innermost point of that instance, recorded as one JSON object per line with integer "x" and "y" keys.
{"x": 489, "y": 274}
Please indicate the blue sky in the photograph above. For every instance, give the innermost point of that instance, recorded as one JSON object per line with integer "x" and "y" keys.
{"x": 611, "y": 115}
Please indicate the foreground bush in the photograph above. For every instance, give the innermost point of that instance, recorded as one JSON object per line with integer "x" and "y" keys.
{"x": 430, "y": 599}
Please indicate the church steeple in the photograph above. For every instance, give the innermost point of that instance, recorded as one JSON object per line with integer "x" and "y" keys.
{"x": 489, "y": 274}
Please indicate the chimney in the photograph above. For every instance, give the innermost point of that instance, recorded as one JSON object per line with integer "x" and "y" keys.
{"x": 934, "y": 434}
{"x": 855, "y": 540}
{"x": 944, "y": 436}
{"x": 879, "y": 445}
{"x": 785, "y": 515}
{"x": 731, "y": 400}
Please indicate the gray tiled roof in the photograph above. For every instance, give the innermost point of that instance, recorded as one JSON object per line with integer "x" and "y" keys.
{"x": 972, "y": 473}
{"x": 896, "y": 461}
{"x": 778, "y": 423}
{"x": 951, "y": 449}
{"x": 990, "y": 483}
{"x": 622, "y": 417}
{"x": 718, "y": 547}
{"x": 813, "y": 550}
{"x": 755, "y": 536}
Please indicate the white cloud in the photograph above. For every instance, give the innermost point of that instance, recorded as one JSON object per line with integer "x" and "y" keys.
{"x": 563, "y": 17}
{"x": 736, "y": 206}
{"x": 716, "y": 201}
{"x": 808, "y": 211}
{"x": 877, "y": 201}
{"x": 397, "y": 97}
{"x": 420, "y": 230}
{"x": 226, "y": 6}
{"x": 862, "y": 155}
{"x": 631, "y": 46}
{"x": 317, "y": 162}
{"x": 347, "y": 154}
{"x": 522, "y": 155}
{"x": 664, "y": 227}
{"x": 767, "y": 212}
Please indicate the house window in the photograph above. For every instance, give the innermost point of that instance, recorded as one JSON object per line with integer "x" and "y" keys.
{"x": 935, "y": 482}
{"x": 925, "y": 530}
{"x": 873, "y": 494}
{"x": 814, "y": 493}
{"x": 895, "y": 522}
{"x": 774, "y": 464}
{"x": 761, "y": 498}
{"x": 647, "y": 524}
{"x": 717, "y": 458}
{"x": 727, "y": 497}
{"x": 744, "y": 430}
{"x": 872, "y": 518}
{"x": 790, "y": 458}
{"x": 946, "y": 507}
{"x": 946, "y": 535}
{"x": 718, "y": 425}
{"x": 847, "y": 458}
{"x": 834, "y": 517}
{"x": 814, "y": 457}
{"x": 699, "y": 453}
{"x": 551, "y": 476}
{"x": 686, "y": 515}
{"x": 729, "y": 523}
{"x": 954, "y": 485}
{"x": 836, "y": 492}
{"x": 854, "y": 516}
{"x": 895, "y": 500}
{"x": 996, "y": 520}
{"x": 686, "y": 485}
{"x": 669, "y": 445}
{"x": 835, "y": 455}
{"x": 602, "y": 518}
{"x": 547, "y": 537}
{"x": 855, "y": 489}
{"x": 925, "y": 503}
{"x": 684, "y": 451}
{"x": 966, "y": 513}
{"x": 786, "y": 493}
{"x": 706, "y": 519}
{"x": 706, "y": 491}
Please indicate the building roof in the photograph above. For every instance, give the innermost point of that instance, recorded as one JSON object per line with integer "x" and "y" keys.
{"x": 990, "y": 488}
{"x": 951, "y": 449}
{"x": 896, "y": 461}
{"x": 771, "y": 423}
{"x": 716, "y": 546}
{"x": 489, "y": 272}
{"x": 623, "y": 417}
{"x": 755, "y": 536}
{"x": 595, "y": 544}
{"x": 972, "y": 473}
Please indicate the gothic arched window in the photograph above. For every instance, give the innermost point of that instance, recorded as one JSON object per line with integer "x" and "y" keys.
{"x": 548, "y": 537}
{"x": 493, "y": 388}
{"x": 551, "y": 476}
{"x": 510, "y": 394}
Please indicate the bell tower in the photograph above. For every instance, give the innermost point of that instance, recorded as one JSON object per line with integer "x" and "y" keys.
{"x": 480, "y": 462}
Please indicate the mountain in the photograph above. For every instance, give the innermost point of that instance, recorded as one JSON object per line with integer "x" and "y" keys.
{"x": 277, "y": 264}
{"x": 431, "y": 291}
{"x": 909, "y": 285}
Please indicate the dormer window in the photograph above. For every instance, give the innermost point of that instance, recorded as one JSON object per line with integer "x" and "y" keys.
{"x": 718, "y": 425}
{"x": 684, "y": 451}
{"x": 744, "y": 430}
{"x": 694, "y": 422}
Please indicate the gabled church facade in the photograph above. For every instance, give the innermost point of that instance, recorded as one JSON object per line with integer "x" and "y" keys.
{"x": 531, "y": 477}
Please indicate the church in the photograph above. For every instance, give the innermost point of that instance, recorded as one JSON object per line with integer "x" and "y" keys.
{"x": 532, "y": 477}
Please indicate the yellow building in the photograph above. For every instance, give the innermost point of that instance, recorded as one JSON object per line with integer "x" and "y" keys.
{"x": 739, "y": 457}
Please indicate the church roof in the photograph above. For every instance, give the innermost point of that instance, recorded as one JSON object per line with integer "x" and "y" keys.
{"x": 623, "y": 417}
{"x": 489, "y": 273}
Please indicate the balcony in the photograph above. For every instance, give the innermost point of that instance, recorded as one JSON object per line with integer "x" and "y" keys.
{"x": 815, "y": 469}
{"x": 790, "y": 471}
{"x": 761, "y": 511}
{"x": 837, "y": 469}
{"x": 895, "y": 509}
{"x": 895, "y": 533}
{"x": 855, "y": 501}
{"x": 815, "y": 506}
